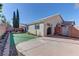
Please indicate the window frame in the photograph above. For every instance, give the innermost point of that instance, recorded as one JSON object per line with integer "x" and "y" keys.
{"x": 37, "y": 26}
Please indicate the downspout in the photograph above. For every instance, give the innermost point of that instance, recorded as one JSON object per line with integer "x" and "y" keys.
{"x": 36, "y": 29}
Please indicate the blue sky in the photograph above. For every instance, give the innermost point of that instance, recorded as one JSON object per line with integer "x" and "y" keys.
{"x": 33, "y": 12}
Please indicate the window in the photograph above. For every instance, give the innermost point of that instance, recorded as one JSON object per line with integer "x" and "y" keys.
{"x": 37, "y": 26}
{"x": 48, "y": 24}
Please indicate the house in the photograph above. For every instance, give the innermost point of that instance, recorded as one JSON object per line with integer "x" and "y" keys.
{"x": 46, "y": 26}
{"x": 63, "y": 28}
{"x": 53, "y": 25}
{"x": 23, "y": 27}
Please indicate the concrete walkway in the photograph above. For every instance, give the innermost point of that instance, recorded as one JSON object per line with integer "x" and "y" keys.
{"x": 49, "y": 46}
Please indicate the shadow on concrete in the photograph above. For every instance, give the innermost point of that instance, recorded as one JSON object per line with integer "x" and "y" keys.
{"x": 65, "y": 37}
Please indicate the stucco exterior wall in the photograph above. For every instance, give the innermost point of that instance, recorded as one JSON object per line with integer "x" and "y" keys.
{"x": 40, "y": 31}
{"x": 54, "y": 20}
{"x": 65, "y": 30}
{"x": 31, "y": 29}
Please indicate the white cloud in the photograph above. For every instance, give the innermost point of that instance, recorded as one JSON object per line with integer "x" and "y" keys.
{"x": 76, "y": 5}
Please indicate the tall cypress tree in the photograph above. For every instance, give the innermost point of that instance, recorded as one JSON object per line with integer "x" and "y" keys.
{"x": 14, "y": 20}
{"x": 1, "y": 7}
{"x": 17, "y": 18}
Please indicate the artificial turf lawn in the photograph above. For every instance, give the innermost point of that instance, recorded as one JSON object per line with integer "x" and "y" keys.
{"x": 20, "y": 37}
{"x": 11, "y": 40}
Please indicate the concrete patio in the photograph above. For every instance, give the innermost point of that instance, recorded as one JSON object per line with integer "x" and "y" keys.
{"x": 49, "y": 46}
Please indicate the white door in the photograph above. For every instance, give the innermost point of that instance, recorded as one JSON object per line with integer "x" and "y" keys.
{"x": 65, "y": 30}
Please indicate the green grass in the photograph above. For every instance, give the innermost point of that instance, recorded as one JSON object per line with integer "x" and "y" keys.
{"x": 21, "y": 37}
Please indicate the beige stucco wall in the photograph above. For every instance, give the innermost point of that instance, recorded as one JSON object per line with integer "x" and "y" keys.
{"x": 39, "y": 32}
{"x": 31, "y": 29}
{"x": 53, "y": 20}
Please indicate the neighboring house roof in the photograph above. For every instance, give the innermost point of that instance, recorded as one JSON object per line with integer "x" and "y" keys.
{"x": 68, "y": 23}
{"x": 23, "y": 25}
{"x": 44, "y": 19}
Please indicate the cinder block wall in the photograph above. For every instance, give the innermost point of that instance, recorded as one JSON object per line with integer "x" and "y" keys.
{"x": 73, "y": 32}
